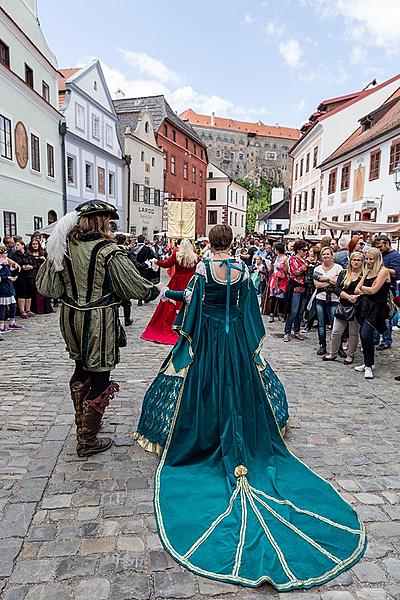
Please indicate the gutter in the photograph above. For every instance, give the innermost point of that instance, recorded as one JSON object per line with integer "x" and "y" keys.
{"x": 62, "y": 128}
{"x": 128, "y": 160}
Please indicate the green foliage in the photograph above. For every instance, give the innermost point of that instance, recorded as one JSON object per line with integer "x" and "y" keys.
{"x": 259, "y": 199}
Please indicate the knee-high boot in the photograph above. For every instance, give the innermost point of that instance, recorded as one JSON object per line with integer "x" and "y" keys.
{"x": 78, "y": 392}
{"x": 93, "y": 410}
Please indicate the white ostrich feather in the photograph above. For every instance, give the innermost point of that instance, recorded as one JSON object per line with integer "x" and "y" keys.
{"x": 57, "y": 243}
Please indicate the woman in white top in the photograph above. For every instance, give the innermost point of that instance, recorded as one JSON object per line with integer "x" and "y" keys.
{"x": 326, "y": 301}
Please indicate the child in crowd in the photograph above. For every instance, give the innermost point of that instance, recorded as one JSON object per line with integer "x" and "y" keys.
{"x": 7, "y": 299}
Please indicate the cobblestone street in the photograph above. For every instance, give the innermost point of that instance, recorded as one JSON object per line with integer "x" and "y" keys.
{"x": 84, "y": 528}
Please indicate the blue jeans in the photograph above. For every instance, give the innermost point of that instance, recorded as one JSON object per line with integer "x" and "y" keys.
{"x": 387, "y": 339}
{"x": 297, "y": 307}
{"x": 325, "y": 314}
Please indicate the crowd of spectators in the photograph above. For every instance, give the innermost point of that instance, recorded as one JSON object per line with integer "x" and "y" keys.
{"x": 349, "y": 287}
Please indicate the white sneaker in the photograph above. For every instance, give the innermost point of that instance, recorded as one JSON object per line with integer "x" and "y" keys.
{"x": 368, "y": 374}
{"x": 361, "y": 368}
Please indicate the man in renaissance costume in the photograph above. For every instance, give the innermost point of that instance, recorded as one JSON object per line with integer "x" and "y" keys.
{"x": 91, "y": 276}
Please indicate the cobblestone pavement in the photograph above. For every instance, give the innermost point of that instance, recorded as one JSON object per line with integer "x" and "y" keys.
{"x": 84, "y": 528}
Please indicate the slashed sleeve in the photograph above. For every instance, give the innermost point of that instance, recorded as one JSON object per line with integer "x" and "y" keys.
{"x": 49, "y": 282}
{"x": 126, "y": 281}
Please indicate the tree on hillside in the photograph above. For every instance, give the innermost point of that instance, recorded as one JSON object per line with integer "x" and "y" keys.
{"x": 259, "y": 195}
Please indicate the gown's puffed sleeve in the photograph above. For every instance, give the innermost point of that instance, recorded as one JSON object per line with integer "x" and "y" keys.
{"x": 49, "y": 282}
{"x": 126, "y": 281}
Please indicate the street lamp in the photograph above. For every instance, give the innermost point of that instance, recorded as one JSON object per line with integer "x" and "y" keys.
{"x": 396, "y": 177}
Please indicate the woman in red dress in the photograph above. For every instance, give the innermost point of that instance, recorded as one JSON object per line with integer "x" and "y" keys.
{"x": 184, "y": 261}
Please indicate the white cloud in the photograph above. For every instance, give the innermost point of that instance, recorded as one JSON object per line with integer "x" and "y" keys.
{"x": 367, "y": 22}
{"x": 151, "y": 67}
{"x": 180, "y": 96}
{"x": 292, "y": 53}
{"x": 326, "y": 75}
{"x": 274, "y": 29}
{"x": 247, "y": 19}
{"x": 358, "y": 55}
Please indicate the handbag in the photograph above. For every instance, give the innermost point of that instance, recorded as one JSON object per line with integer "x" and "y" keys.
{"x": 345, "y": 313}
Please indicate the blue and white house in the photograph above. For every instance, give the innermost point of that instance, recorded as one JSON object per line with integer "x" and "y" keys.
{"x": 94, "y": 163}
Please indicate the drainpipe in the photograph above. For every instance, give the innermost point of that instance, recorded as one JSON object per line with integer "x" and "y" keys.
{"x": 128, "y": 160}
{"x": 62, "y": 128}
{"x": 227, "y": 201}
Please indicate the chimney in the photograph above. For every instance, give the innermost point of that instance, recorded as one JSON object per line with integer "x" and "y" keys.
{"x": 212, "y": 119}
{"x": 119, "y": 94}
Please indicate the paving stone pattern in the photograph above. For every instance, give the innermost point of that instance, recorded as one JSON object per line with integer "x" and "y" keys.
{"x": 84, "y": 528}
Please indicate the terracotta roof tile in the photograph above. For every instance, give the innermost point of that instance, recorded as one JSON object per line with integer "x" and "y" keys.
{"x": 66, "y": 74}
{"x": 231, "y": 124}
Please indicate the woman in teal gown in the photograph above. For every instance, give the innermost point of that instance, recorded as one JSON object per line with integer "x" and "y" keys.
{"x": 232, "y": 502}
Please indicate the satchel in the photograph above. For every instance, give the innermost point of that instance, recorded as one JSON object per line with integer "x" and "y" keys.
{"x": 345, "y": 313}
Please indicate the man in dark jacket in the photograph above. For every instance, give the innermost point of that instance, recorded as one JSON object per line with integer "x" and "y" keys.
{"x": 139, "y": 255}
{"x": 391, "y": 260}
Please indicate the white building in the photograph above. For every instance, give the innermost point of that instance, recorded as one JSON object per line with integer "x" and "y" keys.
{"x": 30, "y": 151}
{"x": 94, "y": 165}
{"x": 275, "y": 221}
{"x": 145, "y": 172}
{"x": 335, "y": 120}
{"x": 226, "y": 201}
{"x": 357, "y": 179}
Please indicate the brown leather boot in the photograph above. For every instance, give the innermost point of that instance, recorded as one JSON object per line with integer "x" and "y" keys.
{"x": 93, "y": 410}
{"x": 78, "y": 392}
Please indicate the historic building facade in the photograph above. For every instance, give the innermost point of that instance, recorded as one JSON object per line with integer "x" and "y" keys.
{"x": 30, "y": 150}
{"x": 226, "y": 201}
{"x": 144, "y": 177}
{"x": 246, "y": 150}
{"x": 185, "y": 155}
{"x": 357, "y": 179}
{"x": 333, "y": 122}
{"x": 93, "y": 161}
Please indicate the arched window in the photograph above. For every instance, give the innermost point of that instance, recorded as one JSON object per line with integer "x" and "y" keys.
{"x": 51, "y": 217}
{"x": 146, "y": 127}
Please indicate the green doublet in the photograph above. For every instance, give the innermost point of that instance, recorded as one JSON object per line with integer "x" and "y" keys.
{"x": 96, "y": 276}
{"x": 232, "y": 502}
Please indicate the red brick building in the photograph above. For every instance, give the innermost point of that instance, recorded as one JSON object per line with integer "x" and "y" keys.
{"x": 185, "y": 153}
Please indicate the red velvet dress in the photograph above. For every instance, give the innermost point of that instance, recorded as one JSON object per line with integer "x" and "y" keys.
{"x": 159, "y": 328}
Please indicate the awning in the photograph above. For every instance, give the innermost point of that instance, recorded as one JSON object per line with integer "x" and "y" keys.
{"x": 365, "y": 226}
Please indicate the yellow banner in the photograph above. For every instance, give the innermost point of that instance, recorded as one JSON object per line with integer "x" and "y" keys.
{"x": 181, "y": 219}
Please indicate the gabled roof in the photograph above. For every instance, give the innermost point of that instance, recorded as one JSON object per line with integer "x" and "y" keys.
{"x": 263, "y": 216}
{"x": 159, "y": 109}
{"x": 73, "y": 75}
{"x": 352, "y": 99}
{"x": 258, "y": 128}
{"x": 378, "y": 122}
{"x": 226, "y": 176}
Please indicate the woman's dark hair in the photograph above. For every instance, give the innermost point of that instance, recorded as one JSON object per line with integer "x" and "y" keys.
{"x": 299, "y": 245}
{"x": 279, "y": 247}
{"x": 220, "y": 237}
{"x": 39, "y": 250}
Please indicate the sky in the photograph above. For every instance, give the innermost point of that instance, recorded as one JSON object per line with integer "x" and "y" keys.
{"x": 271, "y": 60}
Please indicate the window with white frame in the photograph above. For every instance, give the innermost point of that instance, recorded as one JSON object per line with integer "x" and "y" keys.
{"x": 45, "y": 91}
{"x": 109, "y": 136}
{"x": 10, "y": 223}
{"x": 111, "y": 184}
{"x": 79, "y": 116}
{"x": 50, "y": 161}
{"x": 35, "y": 152}
{"x": 5, "y": 138}
{"x": 71, "y": 170}
{"x": 96, "y": 127}
{"x": 88, "y": 176}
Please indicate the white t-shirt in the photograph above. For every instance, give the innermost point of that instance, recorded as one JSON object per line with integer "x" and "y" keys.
{"x": 333, "y": 272}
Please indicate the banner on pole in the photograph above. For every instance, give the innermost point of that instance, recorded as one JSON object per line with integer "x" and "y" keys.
{"x": 181, "y": 219}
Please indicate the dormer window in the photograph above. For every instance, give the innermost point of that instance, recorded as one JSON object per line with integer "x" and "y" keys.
{"x": 366, "y": 123}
